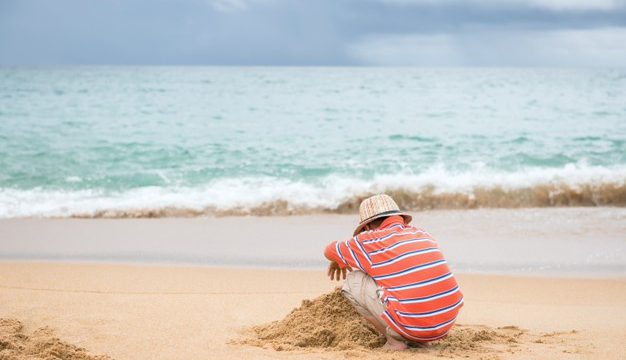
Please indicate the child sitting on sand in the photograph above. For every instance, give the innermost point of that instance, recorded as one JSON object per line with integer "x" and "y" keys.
{"x": 399, "y": 280}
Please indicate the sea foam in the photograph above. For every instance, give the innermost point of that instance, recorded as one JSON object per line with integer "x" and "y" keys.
{"x": 435, "y": 188}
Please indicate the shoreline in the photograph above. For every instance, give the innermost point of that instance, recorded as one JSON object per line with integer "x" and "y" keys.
{"x": 132, "y": 312}
{"x": 573, "y": 185}
{"x": 283, "y": 210}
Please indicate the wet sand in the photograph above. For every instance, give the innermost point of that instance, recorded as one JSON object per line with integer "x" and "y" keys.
{"x": 137, "y": 312}
{"x": 540, "y": 241}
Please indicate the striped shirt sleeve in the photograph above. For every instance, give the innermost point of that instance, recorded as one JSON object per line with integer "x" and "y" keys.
{"x": 333, "y": 251}
{"x": 344, "y": 254}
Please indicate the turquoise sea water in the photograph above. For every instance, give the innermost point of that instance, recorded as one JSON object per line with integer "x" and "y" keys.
{"x": 161, "y": 141}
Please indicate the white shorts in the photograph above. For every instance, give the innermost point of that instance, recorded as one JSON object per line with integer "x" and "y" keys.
{"x": 365, "y": 295}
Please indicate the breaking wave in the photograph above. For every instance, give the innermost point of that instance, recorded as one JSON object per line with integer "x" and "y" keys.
{"x": 436, "y": 188}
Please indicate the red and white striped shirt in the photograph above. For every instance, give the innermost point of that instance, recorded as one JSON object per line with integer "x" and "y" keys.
{"x": 421, "y": 294}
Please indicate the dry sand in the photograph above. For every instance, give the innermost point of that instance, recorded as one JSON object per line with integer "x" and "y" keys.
{"x": 137, "y": 312}
{"x": 41, "y": 344}
{"x": 330, "y": 322}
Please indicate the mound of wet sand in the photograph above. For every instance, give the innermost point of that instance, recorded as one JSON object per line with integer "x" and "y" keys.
{"x": 40, "y": 345}
{"x": 330, "y": 322}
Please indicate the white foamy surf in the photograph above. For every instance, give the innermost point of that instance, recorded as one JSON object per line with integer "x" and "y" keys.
{"x": 435, "y": 188}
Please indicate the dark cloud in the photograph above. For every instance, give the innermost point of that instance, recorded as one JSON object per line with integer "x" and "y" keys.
{"x": 290, "y": 32}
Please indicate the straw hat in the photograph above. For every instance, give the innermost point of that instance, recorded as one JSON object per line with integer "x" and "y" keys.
{"x": 376, "y": 207}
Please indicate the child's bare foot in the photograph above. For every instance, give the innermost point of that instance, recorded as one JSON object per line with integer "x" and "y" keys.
{"x": 393, "y": 344}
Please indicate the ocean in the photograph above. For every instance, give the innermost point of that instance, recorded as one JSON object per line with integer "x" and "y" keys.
{"x": 187, "y": 141}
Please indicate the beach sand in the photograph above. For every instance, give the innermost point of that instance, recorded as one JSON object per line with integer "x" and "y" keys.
{"x": 137, "y": 312}
{"x": 560, "y": 292}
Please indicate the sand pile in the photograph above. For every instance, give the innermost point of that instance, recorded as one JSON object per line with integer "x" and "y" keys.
{"x": 330, "y": 322}
{"x": 41, "y": 344}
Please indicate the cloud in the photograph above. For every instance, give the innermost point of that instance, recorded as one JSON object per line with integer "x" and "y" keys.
{"x": 318, "y": 32}
{"x": 228, "y": 5}
{"x": 403, "y": 50}
{"x": 576, "y": 5}
{"x": 557, "y": 5}
{"x": 601, "y": 47}
{"x": 234, "y": 5}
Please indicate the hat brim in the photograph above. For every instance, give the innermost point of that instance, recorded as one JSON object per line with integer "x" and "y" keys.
{"x": 407, "y": 219}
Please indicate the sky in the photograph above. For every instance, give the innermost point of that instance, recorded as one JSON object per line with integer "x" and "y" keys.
{"x": 441, "y": 33}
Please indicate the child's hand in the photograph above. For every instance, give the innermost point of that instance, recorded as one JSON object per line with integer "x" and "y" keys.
{"x": 337, "y": 273}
